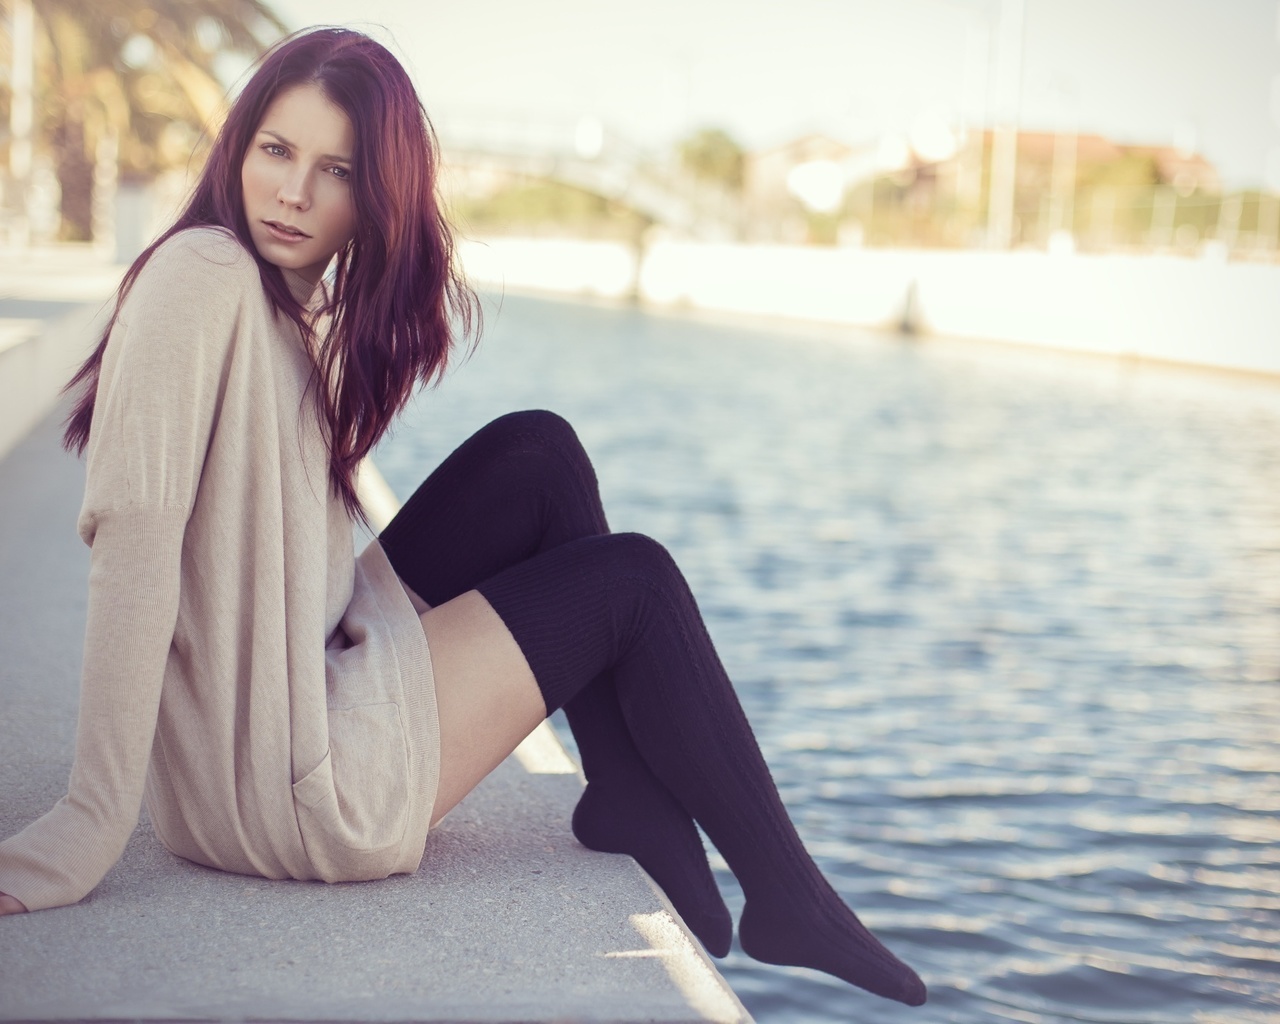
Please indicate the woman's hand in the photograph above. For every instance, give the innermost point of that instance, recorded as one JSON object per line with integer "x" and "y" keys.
{"x": 9, "y": 905}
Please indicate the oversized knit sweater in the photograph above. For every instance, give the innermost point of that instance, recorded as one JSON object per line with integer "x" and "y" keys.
{"x": 268, "y": 693}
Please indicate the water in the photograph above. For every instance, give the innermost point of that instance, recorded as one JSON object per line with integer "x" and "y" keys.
{"x": 1007, "y": 624}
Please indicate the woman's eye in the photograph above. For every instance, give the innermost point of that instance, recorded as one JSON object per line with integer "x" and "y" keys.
{"x": 341, "y": 172}
{"x": 273, "y": 149}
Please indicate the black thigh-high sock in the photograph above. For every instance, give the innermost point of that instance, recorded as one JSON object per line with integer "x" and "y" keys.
{"x": 520, "y": 486}
{"x": 626, "y": 809}
{"x": 619, "y": 602}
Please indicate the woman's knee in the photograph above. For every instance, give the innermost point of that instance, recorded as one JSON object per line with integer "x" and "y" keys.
{"x": 639, "y": 558}
{"x": 533, "y": 428}
{"x": 538, "y": 450}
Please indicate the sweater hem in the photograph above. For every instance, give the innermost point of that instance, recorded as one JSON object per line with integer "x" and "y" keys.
{"x": 422, "y": 725}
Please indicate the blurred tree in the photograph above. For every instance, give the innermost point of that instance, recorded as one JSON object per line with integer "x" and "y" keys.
{"x": 1127, "y": 171}
{"x": 548, "y": 207}
{"x": 1120, "y": 197}
{"x": 137, "y": 73}
{"x": 713, "y": 155}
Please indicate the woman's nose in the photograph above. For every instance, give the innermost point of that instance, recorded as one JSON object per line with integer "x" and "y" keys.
{"x": 293, "y": 190}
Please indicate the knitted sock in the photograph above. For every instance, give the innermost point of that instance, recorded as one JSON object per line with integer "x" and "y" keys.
{"x": 520, "y": 486}
{"x": 625, "y": 809}
{"x": 618, "y": 602}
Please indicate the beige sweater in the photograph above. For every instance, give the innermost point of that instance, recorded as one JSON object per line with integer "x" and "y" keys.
{"x": 269, "y": 694}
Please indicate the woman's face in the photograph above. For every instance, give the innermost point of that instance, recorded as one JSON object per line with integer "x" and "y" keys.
{"x": 297, "y": 182}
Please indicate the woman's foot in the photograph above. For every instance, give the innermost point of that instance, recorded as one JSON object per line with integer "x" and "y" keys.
{"x": 643, "y": 820}
{"x": 829, "y": 937}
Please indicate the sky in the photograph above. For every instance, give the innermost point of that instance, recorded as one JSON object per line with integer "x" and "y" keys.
{"x": 1196, "y": 73}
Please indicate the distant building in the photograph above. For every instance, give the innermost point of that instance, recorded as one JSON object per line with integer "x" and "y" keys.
{"x": 1038, "y": 151}
{"x": 1074, "y": 183}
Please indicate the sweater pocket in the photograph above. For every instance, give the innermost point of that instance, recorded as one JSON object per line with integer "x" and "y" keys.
{"x": 353, "y": 807}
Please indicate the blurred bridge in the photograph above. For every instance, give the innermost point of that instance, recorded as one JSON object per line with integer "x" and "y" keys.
{"x": 478, "y": 149}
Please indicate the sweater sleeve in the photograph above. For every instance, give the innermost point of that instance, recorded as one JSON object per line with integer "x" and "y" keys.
{"x": 156, "y": 409}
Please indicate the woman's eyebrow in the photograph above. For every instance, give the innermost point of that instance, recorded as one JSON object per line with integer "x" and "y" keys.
{"x": 323, "y": 156}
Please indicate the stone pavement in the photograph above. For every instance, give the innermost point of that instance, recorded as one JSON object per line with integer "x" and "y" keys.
{"x": 508, "y": 919}
{"x": 48, "y": 298}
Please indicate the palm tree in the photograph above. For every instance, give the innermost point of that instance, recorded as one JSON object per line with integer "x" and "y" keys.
{"x": 138, "y": 73}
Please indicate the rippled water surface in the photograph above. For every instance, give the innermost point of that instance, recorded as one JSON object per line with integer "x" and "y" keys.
{"x": 1007, "y": 624}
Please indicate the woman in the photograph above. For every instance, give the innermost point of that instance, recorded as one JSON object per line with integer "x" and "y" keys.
{"x": 288, "y": 710}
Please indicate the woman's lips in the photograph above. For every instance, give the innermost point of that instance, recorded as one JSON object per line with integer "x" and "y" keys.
{"x": 284, "y": 234}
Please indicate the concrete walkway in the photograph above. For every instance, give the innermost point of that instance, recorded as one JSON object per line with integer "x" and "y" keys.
{"x": 508, "y": 919}
{"x": 50, "y": 300}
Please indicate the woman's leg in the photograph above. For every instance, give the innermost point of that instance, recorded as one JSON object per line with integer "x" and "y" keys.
{"x": 520, "y": 486}
{"x": 486, "y": 697}
{"x": 619, "y": 602}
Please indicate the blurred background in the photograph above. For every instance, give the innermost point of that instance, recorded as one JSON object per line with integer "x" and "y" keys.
{"x": 1134, "y": 126}
{"x": 743, "y": 157}
{"x": 1006, "y": 616}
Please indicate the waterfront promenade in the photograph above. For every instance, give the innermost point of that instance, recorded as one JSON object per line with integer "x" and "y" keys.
{"x": 1003, "y": 620}
{"x": 509, "y": 918}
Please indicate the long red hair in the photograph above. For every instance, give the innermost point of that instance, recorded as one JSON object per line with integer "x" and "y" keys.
{"x": 398, "y": 293}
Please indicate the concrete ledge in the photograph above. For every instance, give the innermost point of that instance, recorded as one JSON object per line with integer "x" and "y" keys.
{"x": 508, "y": 919}
{"x": 1202, "y": 312}
{"x": 37, "y": 358}
{"x": 53, "y": 304}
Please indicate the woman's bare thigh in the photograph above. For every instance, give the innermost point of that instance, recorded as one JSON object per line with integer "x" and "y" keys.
{"x": 486, "y": 695}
